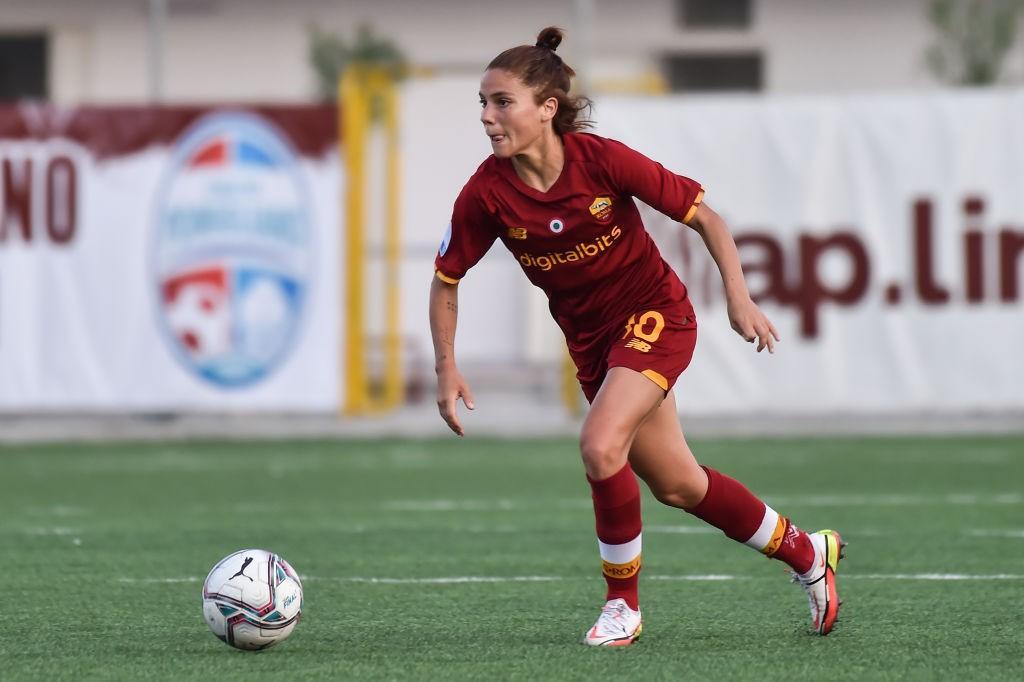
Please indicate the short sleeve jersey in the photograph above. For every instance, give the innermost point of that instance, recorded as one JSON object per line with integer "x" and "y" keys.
{"x": 582, "y": 241}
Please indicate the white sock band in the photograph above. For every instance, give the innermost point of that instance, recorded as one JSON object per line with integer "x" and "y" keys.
{"x": 621, "y": 554}
{"x": 769, "y": 534}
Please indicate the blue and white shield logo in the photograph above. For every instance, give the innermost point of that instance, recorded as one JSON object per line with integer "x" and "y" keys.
{"x": 232, "y": 250}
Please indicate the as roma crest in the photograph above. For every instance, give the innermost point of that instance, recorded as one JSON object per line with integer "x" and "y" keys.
{"x": 602, "y": 209}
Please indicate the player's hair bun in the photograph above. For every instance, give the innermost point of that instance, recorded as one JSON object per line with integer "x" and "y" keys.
{"x": 550, "y": 37}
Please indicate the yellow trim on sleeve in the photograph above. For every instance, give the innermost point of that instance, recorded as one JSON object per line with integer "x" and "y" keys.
{"x": 693, "y": 209}
{"x": 656, "y": 378}
{"x": 445, "y": 278}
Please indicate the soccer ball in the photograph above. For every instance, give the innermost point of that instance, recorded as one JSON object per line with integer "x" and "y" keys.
{"x": 252, "y": 599}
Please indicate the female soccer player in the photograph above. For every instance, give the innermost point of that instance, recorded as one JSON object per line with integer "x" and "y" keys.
{"x": 561, "y": 201}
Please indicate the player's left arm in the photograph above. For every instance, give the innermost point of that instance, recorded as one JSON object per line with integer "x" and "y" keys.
{"x": 744, "y": 315}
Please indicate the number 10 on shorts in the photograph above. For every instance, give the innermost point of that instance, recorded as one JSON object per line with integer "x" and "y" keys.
{"x": 646, "y": 330}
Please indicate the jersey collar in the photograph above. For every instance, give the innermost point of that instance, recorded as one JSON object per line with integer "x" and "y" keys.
{"x": 557, "y": 190}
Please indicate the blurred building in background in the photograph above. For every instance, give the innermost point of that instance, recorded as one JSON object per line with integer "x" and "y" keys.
{"x": 129, "y": 51}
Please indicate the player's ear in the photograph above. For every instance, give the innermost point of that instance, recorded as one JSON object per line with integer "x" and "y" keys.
{"x": 548, "y": 109}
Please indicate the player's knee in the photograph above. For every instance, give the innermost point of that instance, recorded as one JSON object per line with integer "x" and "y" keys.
{"x": 602, "y": 456}
{"x": 681, "y": 489}
{"x": 681, "y": 497}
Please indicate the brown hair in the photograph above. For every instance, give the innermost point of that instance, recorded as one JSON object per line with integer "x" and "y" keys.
{"x": 540, "y": 68}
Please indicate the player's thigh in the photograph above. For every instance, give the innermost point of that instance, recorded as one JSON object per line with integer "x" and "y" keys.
{"x": 625, "y": 400}
{"x": 661, "y": 457}
{"x": 658, "y": 342}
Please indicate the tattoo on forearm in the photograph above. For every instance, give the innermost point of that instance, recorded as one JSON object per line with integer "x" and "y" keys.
{"x": 452, "y": 306}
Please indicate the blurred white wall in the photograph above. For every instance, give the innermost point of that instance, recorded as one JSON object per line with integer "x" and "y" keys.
{"x": 256, "y": 50}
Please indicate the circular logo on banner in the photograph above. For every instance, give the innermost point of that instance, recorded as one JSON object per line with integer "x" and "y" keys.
{"x": 232, "y": 252}
{"x": 556, "y": 225}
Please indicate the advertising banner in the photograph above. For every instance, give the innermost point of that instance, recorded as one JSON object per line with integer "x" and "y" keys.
{"x": 884, "y": 235}
{"x": 169, "y": 258}
{"x": 189, "y": 258}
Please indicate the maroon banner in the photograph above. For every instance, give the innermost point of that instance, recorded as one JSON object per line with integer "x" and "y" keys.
{"x": 121, "y": 130}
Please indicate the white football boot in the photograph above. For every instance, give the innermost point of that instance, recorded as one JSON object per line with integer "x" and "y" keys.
{"x": 820, "y": 582}
{"x": 618, "y": 625}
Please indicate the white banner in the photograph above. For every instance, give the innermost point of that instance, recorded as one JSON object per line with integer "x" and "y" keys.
{"x": 185, "y": 259}
{"x": 884, "y": 236}
{"x": 169, "y": 259}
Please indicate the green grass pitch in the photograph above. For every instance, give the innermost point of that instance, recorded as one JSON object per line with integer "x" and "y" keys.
{"x": 105, "y": 547}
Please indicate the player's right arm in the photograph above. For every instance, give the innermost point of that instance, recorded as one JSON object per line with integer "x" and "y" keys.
{"x": 444, "y": 313}
{"x": 470, "y": 234}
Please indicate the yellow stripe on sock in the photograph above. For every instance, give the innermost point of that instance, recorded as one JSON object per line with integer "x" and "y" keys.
{"x": 777, "y": 535}
{"x": 621, "y": 571}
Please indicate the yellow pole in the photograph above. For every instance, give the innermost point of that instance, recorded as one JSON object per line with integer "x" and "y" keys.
{"x": 393, "y": 238}
{"x": 354, "y": 113}
{"x": 570, "y": 389}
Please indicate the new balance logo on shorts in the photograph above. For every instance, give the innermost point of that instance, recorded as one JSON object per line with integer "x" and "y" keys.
{"x": 641, "y": 346}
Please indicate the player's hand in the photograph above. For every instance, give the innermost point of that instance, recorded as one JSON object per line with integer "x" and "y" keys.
{"x": 752, "y": 324}
{"x": 450, "y": 387}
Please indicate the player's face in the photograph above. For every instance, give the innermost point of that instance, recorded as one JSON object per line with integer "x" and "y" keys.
{"x": 511, "y": 116}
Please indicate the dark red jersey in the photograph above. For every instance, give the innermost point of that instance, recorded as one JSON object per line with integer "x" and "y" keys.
{"x": 582, "y": 241}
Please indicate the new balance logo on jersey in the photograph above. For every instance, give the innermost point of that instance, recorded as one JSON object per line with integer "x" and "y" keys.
{"x": 517, "y": 233}
{"x": 583, "y": 250}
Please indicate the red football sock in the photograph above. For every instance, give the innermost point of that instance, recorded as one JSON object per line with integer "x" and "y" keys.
{"x": 617, "y": 512}
{"x": 795, "y": 549}
{"x": 738, "y": 513}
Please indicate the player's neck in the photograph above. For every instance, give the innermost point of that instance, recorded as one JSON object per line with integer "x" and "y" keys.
{"x": 540, "y": 164}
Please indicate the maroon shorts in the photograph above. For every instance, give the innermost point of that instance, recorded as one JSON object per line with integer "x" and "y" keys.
{"x": 657, "y": 342}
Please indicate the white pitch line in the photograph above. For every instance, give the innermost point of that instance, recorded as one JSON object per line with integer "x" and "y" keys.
{"x": 454, "y": 580}
{"x": 710, "y": 577}
{"x": 449, "y": 505}
{"x": 934, "y": 576}
{"x": 844, "y": 500}
{"x": 681, "y": 530}
{"x": 60, "y": 510}
{"x": 464, "y": 579}
{"x": 979, "y": 532}
{"x": 852, "y": 500}
{"x": 58, "y": 530}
